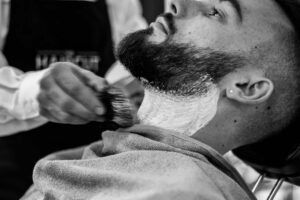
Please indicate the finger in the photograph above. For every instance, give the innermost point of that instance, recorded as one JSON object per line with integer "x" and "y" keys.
{"x": 53, "y": 113}
{"x": 60, "y": 117}
{"x": 47, "y": 82}
{"x": 80, "y": 92}
{"x": 58, "y": 97}
{"x": 45, "y": 103}
{"x": 47, "y": 115}
{"x": 97, "y": 83}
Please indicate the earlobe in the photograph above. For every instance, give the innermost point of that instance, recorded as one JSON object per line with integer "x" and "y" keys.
{"x": 251, "y": 92}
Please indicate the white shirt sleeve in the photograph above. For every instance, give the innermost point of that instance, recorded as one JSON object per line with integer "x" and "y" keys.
{"x": 125, "y": 17}
{"x": 19, "y": 109}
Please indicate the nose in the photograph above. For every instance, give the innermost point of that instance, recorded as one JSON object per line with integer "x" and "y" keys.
{"x": 185, "y": 8}
{"x": 177, "y": 7}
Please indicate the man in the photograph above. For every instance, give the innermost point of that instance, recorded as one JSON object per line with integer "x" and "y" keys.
{"x": 39, "y": 33}
{"x": 218, "y": 75}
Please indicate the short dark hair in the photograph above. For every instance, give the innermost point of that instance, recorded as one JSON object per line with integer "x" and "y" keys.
{"x": 274, "y": 150}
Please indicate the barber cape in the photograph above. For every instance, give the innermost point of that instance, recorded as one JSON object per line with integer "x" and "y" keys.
{"x": 138, "y": 163}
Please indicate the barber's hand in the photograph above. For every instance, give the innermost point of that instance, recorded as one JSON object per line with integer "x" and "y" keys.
{"x": 66, "y": 95}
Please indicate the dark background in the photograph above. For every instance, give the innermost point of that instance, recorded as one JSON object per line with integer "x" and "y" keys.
{"x": 152, "y": 8}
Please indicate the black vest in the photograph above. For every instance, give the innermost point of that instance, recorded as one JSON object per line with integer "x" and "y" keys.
{"x": 45, "y": 31}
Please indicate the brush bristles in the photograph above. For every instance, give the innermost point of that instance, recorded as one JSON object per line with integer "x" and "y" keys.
{"x": 118, "y": 106}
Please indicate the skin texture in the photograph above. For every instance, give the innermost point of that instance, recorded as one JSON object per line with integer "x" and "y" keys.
{"x": 67, "y": 95}
{"x": 256, "y": 100}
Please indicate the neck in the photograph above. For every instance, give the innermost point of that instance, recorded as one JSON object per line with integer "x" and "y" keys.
{"x": 181, "y": 114}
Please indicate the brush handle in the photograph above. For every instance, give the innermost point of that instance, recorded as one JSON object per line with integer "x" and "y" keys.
{"x": 118, "y": 106}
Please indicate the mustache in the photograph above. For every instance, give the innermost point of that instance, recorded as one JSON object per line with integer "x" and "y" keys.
{"x": 169, "y": 18}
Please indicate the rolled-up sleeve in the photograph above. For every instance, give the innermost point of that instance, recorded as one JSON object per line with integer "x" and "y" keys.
{"x": 19, "y": 109}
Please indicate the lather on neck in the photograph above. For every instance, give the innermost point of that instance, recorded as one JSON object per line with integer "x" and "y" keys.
{"x": 178, "y": 113}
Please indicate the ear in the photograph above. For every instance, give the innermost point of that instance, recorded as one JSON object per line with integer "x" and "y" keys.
{"x": 250, "y": 88}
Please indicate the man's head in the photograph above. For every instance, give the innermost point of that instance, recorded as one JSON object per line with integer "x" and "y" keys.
{"x": 230, "y": 64}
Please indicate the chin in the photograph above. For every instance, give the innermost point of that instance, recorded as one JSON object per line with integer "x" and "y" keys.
{"x": 132, "y": 52}
{"x": 160, "y": 66}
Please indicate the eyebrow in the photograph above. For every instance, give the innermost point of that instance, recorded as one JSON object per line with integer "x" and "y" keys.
{"x": 237, "y": 7}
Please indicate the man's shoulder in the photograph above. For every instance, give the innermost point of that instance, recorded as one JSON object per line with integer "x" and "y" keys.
{"x": 135, "y": 170}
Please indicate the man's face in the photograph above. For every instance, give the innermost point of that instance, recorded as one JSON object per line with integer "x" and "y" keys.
{"x": 198, "y": 42}
{"x": 223, "y": 25}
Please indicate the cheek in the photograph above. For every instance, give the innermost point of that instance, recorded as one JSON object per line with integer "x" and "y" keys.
{"x": 198, "y": 34}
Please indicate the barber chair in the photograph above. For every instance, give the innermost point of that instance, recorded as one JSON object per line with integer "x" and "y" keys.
{"x": 277, "y": 158}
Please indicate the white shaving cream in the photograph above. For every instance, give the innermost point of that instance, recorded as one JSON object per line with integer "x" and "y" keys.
{"x": 181, "y": 114}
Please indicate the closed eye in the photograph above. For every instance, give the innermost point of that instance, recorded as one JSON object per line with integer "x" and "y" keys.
{"x": 217, "y": 14}
{"x": 213, "y": 13}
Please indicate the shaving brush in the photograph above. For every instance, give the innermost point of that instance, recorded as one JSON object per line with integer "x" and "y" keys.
{"x": 118, "y": 107}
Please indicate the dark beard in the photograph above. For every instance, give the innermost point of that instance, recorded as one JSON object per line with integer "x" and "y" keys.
{"x": 180, "y": 69}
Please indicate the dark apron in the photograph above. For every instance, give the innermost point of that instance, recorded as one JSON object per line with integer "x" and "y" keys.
{"x": 41, "y": 32}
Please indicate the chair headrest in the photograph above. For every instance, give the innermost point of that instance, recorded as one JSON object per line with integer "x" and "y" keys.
{"x": 278, "y": 156}
{"x": 280, "y": 162}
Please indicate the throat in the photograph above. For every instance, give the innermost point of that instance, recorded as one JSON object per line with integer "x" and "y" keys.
{"x": 177, "y": 113}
